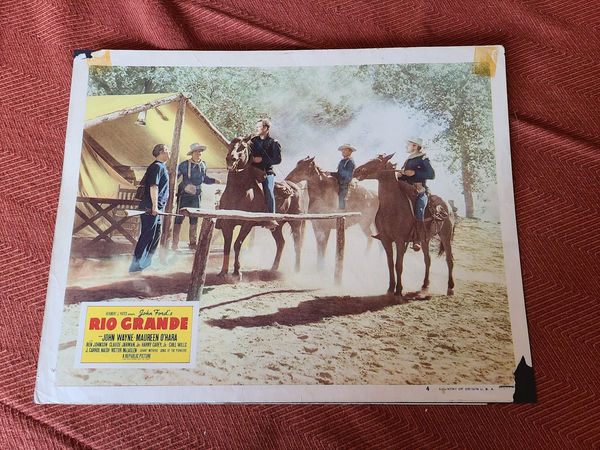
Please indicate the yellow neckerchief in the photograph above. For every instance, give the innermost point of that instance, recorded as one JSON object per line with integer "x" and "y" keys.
{"x": 412, "y": 156}
{"x": 416, "y": 155}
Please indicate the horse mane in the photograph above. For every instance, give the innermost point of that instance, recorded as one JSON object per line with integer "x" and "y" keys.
{"x": 320, "y": 171}
{"x": 408, "y": 189}
{"x": 234, "y": 141}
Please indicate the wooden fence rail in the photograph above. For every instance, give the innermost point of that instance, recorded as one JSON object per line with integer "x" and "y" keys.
{"x": 209, "y": 217}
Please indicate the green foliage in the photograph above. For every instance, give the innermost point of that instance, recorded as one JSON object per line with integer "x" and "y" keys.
{"x": 460, "y": 101}
{"x": 330, "y": 97}
{"x": 227, "y": 96}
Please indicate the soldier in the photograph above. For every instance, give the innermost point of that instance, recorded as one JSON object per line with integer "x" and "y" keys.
{"x": 156, "y": 193}
{"x": 344, "y": 173}
{"x": 266, "y": 152}
{"x": 416, "y": 171}
{"x": 189, "y": 191}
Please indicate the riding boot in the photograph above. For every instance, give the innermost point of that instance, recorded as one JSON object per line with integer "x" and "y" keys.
{"x": 176, "y": 230}
{"x": 192, "y": 235}
{"x": 420, "y": 235}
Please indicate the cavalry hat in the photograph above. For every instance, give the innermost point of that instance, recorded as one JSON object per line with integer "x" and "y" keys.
{"x": 416, "y": 140}
{"x": 348, "y": 146}
{"x": 196, "y": 147}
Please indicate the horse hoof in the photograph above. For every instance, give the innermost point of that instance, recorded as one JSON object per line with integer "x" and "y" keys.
{"x": 423, "y": 294}
{"x": 450, "y": 292}
{"x": 222, "y": 274}
{"x": 398, "y": 294}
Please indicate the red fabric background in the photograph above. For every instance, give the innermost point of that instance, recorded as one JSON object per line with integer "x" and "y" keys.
{"x": 552, "y": 52}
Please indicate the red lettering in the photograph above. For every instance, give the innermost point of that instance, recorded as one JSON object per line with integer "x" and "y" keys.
{"x": 111, "y": 323}
{"x": 103, "y": 324}
{"x": 173, "y": 323}
{"x": 126, "y": 323}
{"x": 162, "y": 323}
{"x": 150, "y": 325}
{"x": 94, "y": 323}
{"x": 184, "y": 323}
{"x": 138, "y": 323}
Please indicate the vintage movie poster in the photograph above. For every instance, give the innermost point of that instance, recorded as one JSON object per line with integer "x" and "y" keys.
{"x": 286, "y": 226}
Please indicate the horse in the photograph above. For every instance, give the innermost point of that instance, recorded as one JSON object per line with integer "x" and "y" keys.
{"x": 395, "y": 222}
{"x": 243, "y": 192}
{"x": 323, "y": 198}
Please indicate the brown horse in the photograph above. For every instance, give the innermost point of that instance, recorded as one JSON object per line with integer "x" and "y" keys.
{"x": 243, "y": 192}
{"x": 395, "y": 221}
{"x": 323, "y": 198}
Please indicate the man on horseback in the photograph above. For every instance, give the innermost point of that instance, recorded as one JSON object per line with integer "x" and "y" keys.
{"x": 416, "y": 171}
{"x": 344, "y": 173}
{"x": 266, "y": 152}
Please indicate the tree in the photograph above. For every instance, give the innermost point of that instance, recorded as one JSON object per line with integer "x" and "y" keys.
{"x": 459, "y": 100}
{"x": 227, "y": 96}
{"x": 318, "y": 100}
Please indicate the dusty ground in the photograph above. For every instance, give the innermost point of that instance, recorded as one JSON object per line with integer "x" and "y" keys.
{"x": 299, "y": 329}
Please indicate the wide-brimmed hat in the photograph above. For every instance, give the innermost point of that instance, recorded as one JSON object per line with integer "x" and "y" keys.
{"x": 416, "y": 140}
{"x": 195, "y": 147}
{"x": 348, "y": 146}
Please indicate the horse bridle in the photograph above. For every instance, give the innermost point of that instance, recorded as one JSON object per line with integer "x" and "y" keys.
{"x": 245, "y": 151}
{"x": 404, "y": 193}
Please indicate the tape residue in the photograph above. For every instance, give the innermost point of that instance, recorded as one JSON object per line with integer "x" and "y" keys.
{"x": 485, "y": 61}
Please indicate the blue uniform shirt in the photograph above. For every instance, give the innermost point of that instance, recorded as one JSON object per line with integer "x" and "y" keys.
{"x": 197, "y": 175}
{"x": 269, "y": 150}
{"x": 422, "y": 167}
{"x": 156, "y": 174}
{"x": 345, "y": 171}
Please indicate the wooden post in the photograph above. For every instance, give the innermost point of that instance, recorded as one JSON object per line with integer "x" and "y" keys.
{"x": 340, "y": 243}
{"x": 173, "y": 163}
{"x": 198, "y": 276}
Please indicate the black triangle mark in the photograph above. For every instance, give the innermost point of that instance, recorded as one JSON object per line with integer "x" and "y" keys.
{"x": 524, "y": 383}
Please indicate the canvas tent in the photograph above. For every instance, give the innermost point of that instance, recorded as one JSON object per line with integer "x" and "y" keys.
{"x": 117, "y": 145}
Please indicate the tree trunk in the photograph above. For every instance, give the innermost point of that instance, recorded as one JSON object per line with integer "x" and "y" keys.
{"x": 468, "y": 194}
{"x": 466, "y": 180}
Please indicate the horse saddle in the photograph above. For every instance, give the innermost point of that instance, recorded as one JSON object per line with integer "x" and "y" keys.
{"x": 281, "y": 189}
{"x": 436, "y": 208}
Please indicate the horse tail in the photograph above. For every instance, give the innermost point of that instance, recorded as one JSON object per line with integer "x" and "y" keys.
{"x": 449, "y": 222}
{"x": 441, "y": 250}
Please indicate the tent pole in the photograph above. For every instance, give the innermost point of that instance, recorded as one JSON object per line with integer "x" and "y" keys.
{"x": 173, "y": 163}
{"x": 131, "y": 110}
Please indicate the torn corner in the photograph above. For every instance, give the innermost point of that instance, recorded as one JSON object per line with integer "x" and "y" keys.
{"x": 87, "y": 53}
{"x": 96, "y": 57}
{"x": 485, "y": 61}
{"x": 524, "y": 383}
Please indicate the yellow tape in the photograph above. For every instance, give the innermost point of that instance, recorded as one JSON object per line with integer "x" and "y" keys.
{"x": 485, "y": 60}
{"x": 100, "y": 58}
